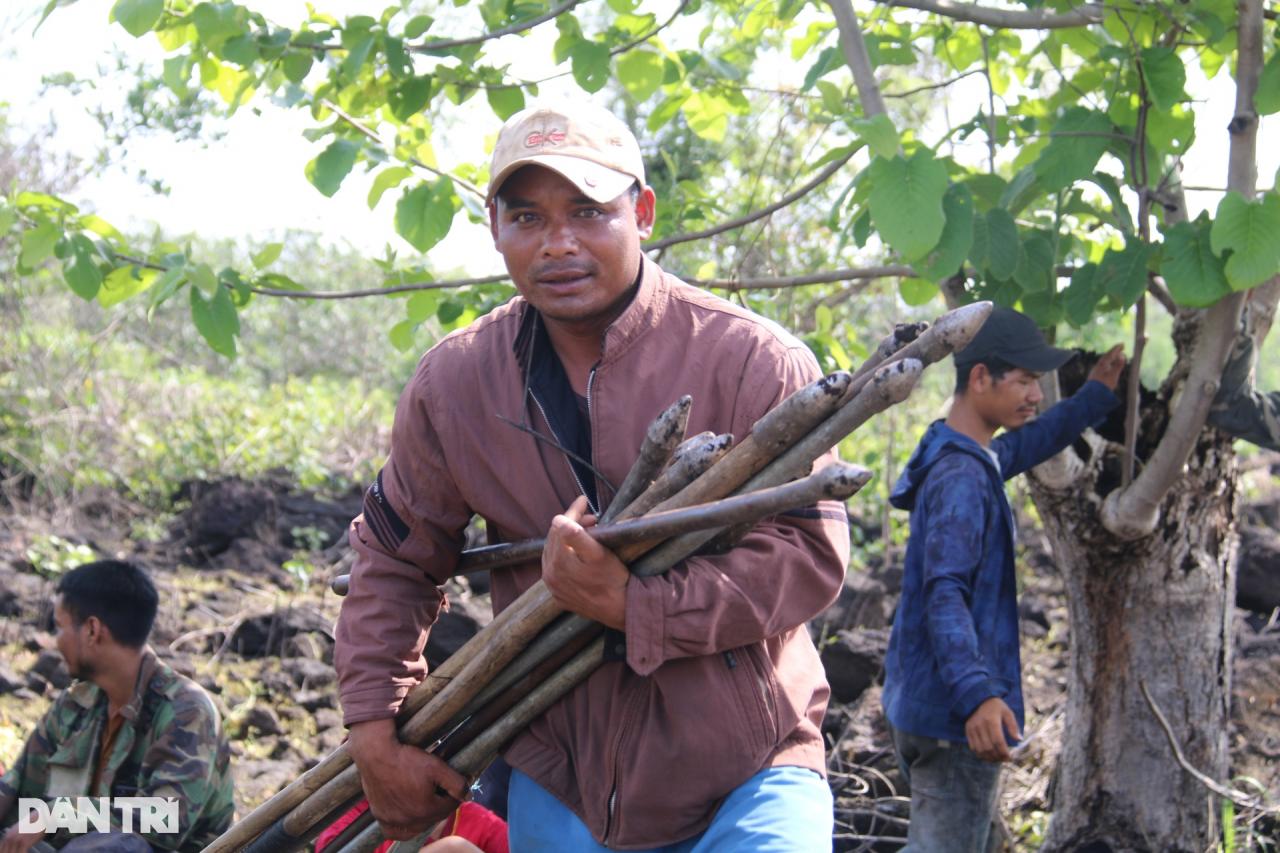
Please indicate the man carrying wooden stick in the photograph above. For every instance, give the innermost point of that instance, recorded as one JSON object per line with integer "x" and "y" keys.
{"x": 702, "y": 728}
{"x": 953, "y": 686}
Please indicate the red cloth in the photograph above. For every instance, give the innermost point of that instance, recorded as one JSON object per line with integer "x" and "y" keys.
{"x": 471, "y": 821}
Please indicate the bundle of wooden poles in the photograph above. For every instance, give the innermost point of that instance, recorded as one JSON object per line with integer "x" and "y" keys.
{"x": 681, "y": 497}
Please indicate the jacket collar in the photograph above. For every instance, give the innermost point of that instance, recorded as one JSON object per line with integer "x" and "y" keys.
{"x": 86, "y": 694}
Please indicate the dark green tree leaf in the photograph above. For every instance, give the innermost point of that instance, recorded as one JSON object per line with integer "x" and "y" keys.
{"x": 946, "y": 258}
{"x": 296, "y": 65}
{"x": 81, "y": 269}
{"x": 1078, "y": 141}
{"x": 1267, "y": 99}
{"x": 906, "y": 201}
{"x": 1122, "y": 275}
{"x": 1249, "y": 232}
{"x": 327, "y": 171}
{"x": 1195, "y": 275}
{"x": 1165, "y": 77}
{"x": 1003, "y": 247}
{"x": 424, "y": 214}
{"x": 1034, "y": 272}
{"x": 1081, "y": 296}
{"x": 407, "y": 98}
{"x": 137, "y": 16}
{"x": 505, "y": 102}
{"x": 590, "y": 63}
{"x": 917, "y": 291}
{"x": 216, "y": 320}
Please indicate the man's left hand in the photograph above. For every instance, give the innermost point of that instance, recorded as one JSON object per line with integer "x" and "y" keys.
{"x": 1109, "y": 367}
{"x": 583, "y": 575}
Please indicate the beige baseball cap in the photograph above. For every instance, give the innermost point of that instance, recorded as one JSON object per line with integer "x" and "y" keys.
{"x": 586, "y": 144}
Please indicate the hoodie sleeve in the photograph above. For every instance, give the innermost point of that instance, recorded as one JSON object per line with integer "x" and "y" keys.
{"x": 1026, "y": 447}
{"x": 957, "y": 505}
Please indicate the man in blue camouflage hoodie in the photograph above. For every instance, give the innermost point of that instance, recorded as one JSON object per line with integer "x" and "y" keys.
{"x": 953, "y": 683}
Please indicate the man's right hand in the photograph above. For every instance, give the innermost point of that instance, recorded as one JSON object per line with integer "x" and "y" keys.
{"x": 986, "y": 729}
{"x": 409, "y": 789}
{"x": 14, "y": 842}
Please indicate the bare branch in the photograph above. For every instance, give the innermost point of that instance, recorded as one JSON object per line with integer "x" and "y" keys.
{"x": 378, "y": 291}
{"x": 369, "y": 132}
{"x": 445, "y": 44}
{"x": 854, "y": 48}
{"x": 613, "y": 51}
{"x": 818, "y": 180}
{"x": 1133, "y": 512}
{"x": 1005, "y": 19}
{"x": 855, "y": 274}
{"x": 930, "y": 86}
{"x": 519, "y": 27}
{"x": 1239, "y": 798}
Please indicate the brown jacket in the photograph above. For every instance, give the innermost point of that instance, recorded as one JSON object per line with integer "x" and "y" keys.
{"x": 721, "y": 678}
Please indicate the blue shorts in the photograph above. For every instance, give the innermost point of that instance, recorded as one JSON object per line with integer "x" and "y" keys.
{"x": 778, "y": 810}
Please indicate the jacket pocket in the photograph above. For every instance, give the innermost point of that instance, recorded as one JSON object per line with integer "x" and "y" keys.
{"x": 752, "y": 681}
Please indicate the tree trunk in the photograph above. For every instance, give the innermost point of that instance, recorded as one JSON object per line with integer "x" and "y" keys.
{"x": 1156, "y": 611}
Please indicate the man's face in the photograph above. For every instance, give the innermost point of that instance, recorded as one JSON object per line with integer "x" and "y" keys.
{"x": 72, "y": 641}
{"x": 573, "y": 258}
{"x": 1009, "y": 401}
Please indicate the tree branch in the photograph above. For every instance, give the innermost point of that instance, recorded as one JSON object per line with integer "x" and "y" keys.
{"x": 854, "y": 48}
{"x": 370, "y": 133}
{"x": 818, "y": 180}
{"x": 1133, "y": 512}
{"x": 1239, "y": 798}
{"x": 1004, "y": 19}
{"x": 931, "y": 86}
{"x": 445, "y": 44}
{"x": 855, "y": 274}
{"x": 512, "y": 29}
{"x": 613, "y": 51}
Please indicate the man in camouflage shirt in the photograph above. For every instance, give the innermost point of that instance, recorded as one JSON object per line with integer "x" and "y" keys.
{"x": 129, "y": 727}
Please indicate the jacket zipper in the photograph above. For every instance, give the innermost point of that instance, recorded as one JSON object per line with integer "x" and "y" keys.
{"x": 617, "y": 754}
{"x": 543, "y": 411}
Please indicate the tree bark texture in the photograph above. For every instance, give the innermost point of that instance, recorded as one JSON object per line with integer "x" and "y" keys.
{"x": 1155, "y": 610}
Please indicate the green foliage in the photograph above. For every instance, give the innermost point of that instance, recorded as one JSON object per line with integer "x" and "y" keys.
{"x": 1087, "y": 119}
{"x": 906, "y": 201}
{"x": 50, "y": 556}
{"x": 1247, "y": 230}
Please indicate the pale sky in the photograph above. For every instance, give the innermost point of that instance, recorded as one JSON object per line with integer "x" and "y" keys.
{"x": 251, "y": 185}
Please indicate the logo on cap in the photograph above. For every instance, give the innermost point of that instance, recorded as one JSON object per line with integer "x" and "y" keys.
{"x": 551, "y": 137}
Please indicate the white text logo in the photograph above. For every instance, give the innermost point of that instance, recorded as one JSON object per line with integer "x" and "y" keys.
{"x": 80, "y": 814}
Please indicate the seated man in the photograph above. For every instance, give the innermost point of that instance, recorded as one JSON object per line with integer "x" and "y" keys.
{"x": 129, "y": 727}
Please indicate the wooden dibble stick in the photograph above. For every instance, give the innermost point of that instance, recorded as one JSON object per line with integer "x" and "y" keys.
{"x": 537, "y": 610}
{"x": 535, "y": 607}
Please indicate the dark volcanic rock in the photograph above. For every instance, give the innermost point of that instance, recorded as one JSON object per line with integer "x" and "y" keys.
{"x": 863, "y": 602}
{"x": 50, "y": 666}
{"x": 9, "y": 680}
{"x": 266, "y": 633}
{"x": 853, "y": 661}
{"x": 309, "y": 673}
{"x": 224, "y": 511}
{"x": 263, "y": 720}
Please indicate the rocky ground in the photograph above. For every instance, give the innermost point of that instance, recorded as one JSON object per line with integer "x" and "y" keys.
{"x": 246, "y": 611}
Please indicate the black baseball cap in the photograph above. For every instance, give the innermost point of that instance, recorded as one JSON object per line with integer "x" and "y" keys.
{"x": 1013, "y": 337}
